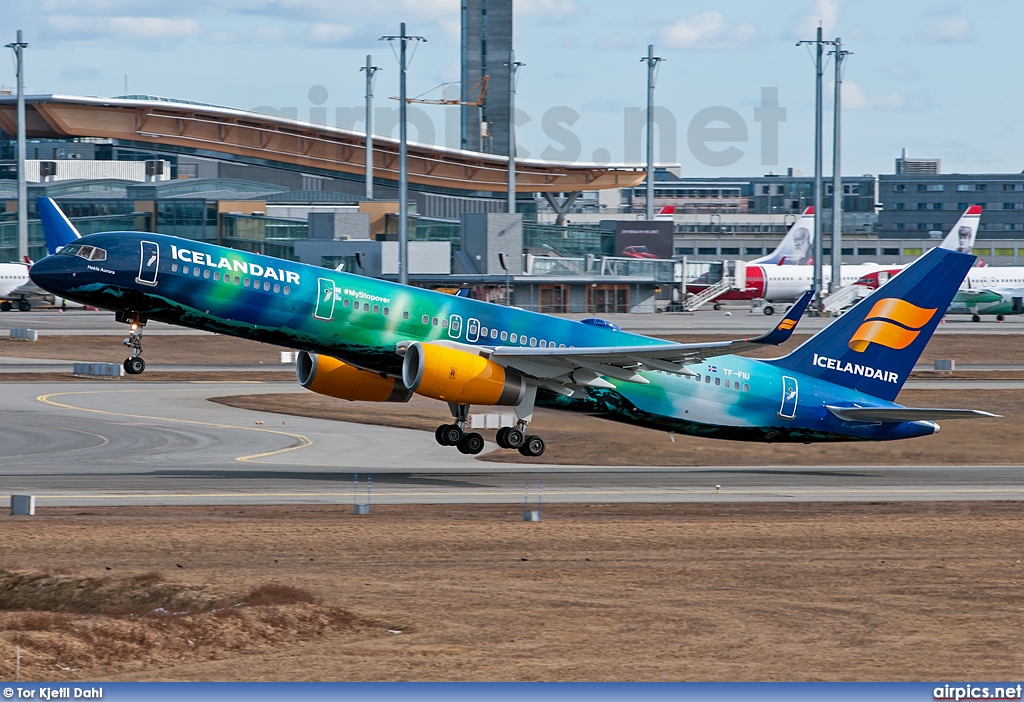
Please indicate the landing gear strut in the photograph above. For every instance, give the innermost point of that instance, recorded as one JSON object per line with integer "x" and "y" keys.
{"x": 134, "y": 364}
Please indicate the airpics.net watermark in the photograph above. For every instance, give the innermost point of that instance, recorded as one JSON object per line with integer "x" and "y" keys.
{"x": 716, "y": 136}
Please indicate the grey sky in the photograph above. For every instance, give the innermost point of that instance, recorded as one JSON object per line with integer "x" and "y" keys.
{"x": 933, "y": 77}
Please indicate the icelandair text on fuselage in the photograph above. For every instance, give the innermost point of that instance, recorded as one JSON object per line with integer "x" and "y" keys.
{"x": 855, "y": 369}
{"x": 234, "y": 265}
{"x": 53, "y": 693}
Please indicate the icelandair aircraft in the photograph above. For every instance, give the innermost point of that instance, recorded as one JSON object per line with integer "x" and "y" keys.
{"x": 367, "y": 339}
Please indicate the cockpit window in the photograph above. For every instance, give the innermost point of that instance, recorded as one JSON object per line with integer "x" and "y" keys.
{"x": 89, "y": 253}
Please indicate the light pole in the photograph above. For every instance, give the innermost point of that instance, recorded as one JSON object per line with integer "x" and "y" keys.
{"x": 370, "y": 71}
{"x": 19, "y": 55}
{"x": 837, "y": 176}
{"x": 652, "y": 64}
{"x": 819, "y": 45}
{"x": 513, "y": 69}
{"x": 403, "y": 174}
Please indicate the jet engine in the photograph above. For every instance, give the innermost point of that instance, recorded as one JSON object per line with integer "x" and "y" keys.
{"x": 459, "y": 376}
{"x": 329, "y": 376}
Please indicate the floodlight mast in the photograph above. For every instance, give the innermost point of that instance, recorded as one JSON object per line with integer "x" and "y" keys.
{"x": 819, "y": 44}
{"x": 652, "y": 63}
{"x": 370, "y": 71}
{"x": 403, "y": 141}
{"x": 18, "y": 47}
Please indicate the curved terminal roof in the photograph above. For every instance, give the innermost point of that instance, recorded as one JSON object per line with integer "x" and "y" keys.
{"x": 193, "y": 125}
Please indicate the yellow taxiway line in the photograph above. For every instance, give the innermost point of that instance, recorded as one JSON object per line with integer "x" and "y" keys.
{"x": 301, "y": 441}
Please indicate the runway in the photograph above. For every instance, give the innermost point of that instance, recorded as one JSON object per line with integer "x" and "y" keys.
{"x": 165, "y": 443}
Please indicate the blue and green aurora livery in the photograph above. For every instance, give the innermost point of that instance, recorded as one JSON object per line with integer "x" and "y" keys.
{"x": 838, "y": 386}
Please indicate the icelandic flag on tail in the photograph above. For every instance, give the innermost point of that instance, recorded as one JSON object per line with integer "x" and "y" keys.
{"x": 873, "y": 347}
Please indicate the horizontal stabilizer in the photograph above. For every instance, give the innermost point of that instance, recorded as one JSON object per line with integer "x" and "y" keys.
{"x": 903, "y": 414}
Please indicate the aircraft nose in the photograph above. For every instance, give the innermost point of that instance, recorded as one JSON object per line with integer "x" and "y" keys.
{"x": 51, "y": 274}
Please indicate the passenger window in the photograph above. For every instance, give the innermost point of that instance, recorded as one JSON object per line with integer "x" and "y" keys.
{"x": 727, "y": 383}
{"x": 195, "y": 271}
{"x": 206, "y": 273}
{"x": 494, "y": 333}
{"x": 174, "y": 268}
{"x": 483, "y": 332}
{"x": 514, "y": 338}
{"x": 426, "y": 319}
{"x": 266, "y": 286}
{"x": 746, "y": 387}
{"x": 444, "y": 323}
{"x": 277, "y": 288}
{"x": 718, "y": 381}
{"x": 434, "y": 321}
{"x": 697, "y": 377}
{"x": 366, "y": 307}
{"x": 386, "y": 311}
{"x": 707, "y": 378}
{"x": 287, "y": 290}
{"x": 376, "y": 309}
{"x": 405, "y": 315}
{"x": 245, "y": 282}
{"x": 533, "y": 341}
{"x": 184, "y": 269}
{"x": 216, "y": 275}
{"x": 543, "y": 344}
{"x": 236, "y": 280}
{"x": 504, "y": 336}
{"x": 346, "y": 303}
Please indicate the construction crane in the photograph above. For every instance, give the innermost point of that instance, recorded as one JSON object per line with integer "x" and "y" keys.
{"x": 480, "y": 88}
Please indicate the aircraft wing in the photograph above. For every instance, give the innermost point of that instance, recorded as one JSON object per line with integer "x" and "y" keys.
{"x": 903, "y": 414}
{"x": 624, "y": 362}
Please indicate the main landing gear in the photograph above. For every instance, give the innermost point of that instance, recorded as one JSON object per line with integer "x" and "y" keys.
{"x": 455, "y": 434}
{"x": 134, "y": 364}
{"x": 514, "y": 437}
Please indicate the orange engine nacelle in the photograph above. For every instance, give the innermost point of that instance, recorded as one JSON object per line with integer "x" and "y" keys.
{"x": 459, "y": 376}
{"x": 329, "y": 376}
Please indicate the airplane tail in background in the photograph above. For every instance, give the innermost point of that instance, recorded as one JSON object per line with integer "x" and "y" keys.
{"x": 666, "y": 212}
{"x": 797, "y": 247}
{"x": 961, "y": 236}
{"x": 57, "y": 228}
{"x": 873, "y": 347}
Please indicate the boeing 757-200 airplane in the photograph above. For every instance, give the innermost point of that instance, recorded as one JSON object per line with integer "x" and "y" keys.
{"x": 367, "y": 339}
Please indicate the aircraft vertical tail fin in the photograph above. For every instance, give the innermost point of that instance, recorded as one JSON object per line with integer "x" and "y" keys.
{"x": 961, "y": 236}
{"x": 797, "y": 247}
{"x": 873, "y": 347}
{"x": 57, "y": 228}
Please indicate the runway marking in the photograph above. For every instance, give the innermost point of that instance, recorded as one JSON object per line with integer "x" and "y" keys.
{"x": 301, "y": 441}
{"x": 103, "y": 441}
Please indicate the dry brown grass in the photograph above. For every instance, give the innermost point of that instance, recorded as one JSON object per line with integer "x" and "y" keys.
{"x": 73, "y": 623}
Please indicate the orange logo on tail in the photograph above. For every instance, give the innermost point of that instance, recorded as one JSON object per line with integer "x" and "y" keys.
{"x": 892, "y": 323}
{"x": 786, "y": 324}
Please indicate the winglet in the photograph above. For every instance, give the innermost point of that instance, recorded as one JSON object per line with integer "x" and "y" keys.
{"x": 57, "y": 228}
{"x": 784, "y": 329}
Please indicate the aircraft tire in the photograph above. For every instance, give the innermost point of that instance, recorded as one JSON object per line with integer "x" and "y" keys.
{"x": 134, "y": 366}
{"x": 471, "y": 444}
{"x": 716, "y": 306}
{"x": 975, "y": 318}
{"x": 533, "y": 447}
{"x": 1000, "y": 317}
{"x": 5, "y": 306}
{"x": 769, "y": 310}
{"x": 514, "y": 438}
{"x": 439, "y": 434}
{"x": 452, "y": 434}
{"x": 499, "y": 438}
{"x": 25, "y": 306}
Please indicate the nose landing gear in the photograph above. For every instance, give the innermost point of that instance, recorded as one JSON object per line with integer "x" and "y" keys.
{"x": 134, "y": 364}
